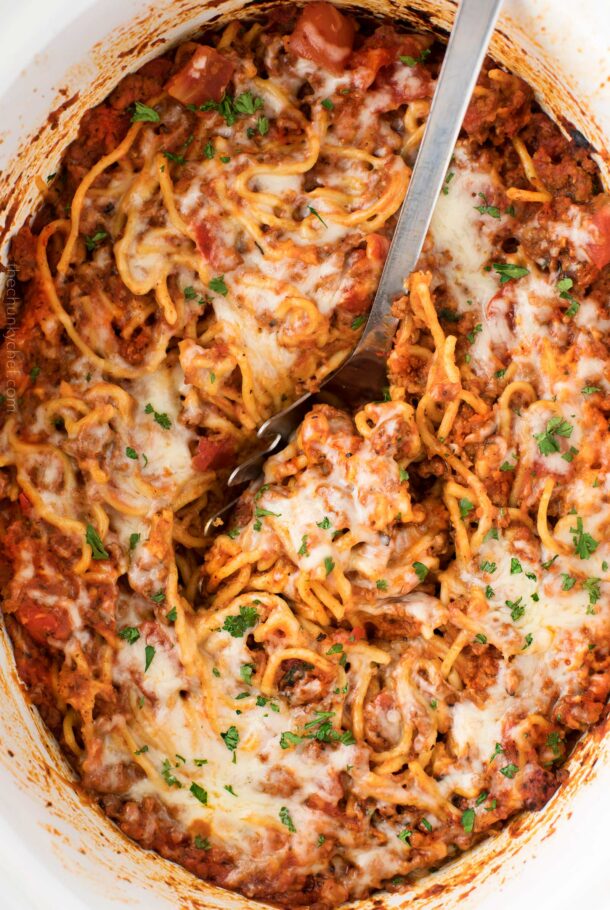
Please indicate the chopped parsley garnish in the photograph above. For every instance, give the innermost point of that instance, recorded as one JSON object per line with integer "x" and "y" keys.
{"x": 95, "y": 542}
{"x": 231, "y": 738}
{"x": 570, "y": 454}
{"x": 328, "y": 104}
{"x": 325, "y": 524}
{"x": 590, "y": 390}
{"x": 247, "y": 103}
{"x": 144, "y": 114}
{"x": 130, "y": 634}
{"x": 131, "y": 453}
{"x": 172, "y": 615}
{"x": 549, "y": 562}
{"x": 216, "y": 672}
{"x": 567, "y": 582}
{"x": 189, "y": 293}
{"x": 246, "y": 671}
{"x": 492, "y": 534}
{"x": 509, "y": 272}
{"x": 515, "y": 566}
{"x": 303, "y": 551}
{"x": 202, "y": 843}
{"x": 94, "y": 240}
{"x": 403, "y": 475}
{"x": 337, "y": 648}
{"x": 426, "y": 824}
{"x": 262, "y": 124}
{"x": 476, "y": 331}
{"x": 317, "y": 215}
{"x": 134, "y": 540}
{"x": 288, "y": 739}
{"x": 527, "y": 641}
{"x": 171, "y": 156}
{"x": 329, "y": 565}
{"x": 159, "y": 597}
{"x": 230, "y": 790}
{"x": 200, "y": 794}
{"x": 218, "y": 285}
{"x": 149, "y": 653}
{"x": 357, "y": 322}
{"x": 161, "y": 418}
{"x": 421, "y": 570}
{"x": 507, "y": 466}
{"x": 489, "y": 592}
{"x": 168, "y": 774}
{"x": 448, "y": 179}
{"x": 553, "y": 740}
{"x": 265, "y": 513}
{"x": 481, "y": 798}
{"x": 233, "y": 533}
{"x": 488, "y": 566}
{"x": 482, "y": 639}
{"x": 517, "y": 609}
{"x": 468, "y": 821}
{"x": 556, "y": 426}
{"x": 564, "y": 286}
{"x": 413, "y": 61}
{"x": 286, "y": 819}
{"x": 381, "y": 584}
{"x": 208, "y": 150}
{"x": 404, "y": 836}
{"x": 584, "y": 544}
{"x": 236, "y": 625}
{"x": 486, "y": 208}
{"x": 497, "y": 751}
{"x": 321, "y": 840}
{"x": 141, "y": 750}
{"x": 34, "y": 373}
{"x": 591, "y": 586}
{"x": 466, "y": 507}
{"x": 509, "y": 770}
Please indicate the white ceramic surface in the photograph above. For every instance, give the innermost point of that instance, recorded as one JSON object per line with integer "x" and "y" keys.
{"x": 55, "y": 853}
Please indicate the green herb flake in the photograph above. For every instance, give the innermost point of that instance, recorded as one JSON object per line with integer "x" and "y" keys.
{"x": 468, "y": 821}
{"x": 200, "y": 794}
{"x": 509, "y": 272}
{"x": 161, "y": 418}
{"x": 236, "y": 625}
{"x": 95, "y": 542}
{"x": 286, "y": 819}
{"x": 218, "y": 285}
{"x": 144, "y": 114}
{"x": 129, "y": 634}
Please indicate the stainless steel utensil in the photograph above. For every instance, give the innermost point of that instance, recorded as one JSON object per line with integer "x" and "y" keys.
{"x": 363, "y": 375}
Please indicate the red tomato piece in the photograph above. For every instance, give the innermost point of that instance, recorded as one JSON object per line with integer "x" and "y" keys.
{"x": 213, "y": 453}
{"x": 44, "y": 623}
{"x": 209, "y": 238}
{"x": 324, "y": 35}
{"x": 204, "y": 78}
{"x": 599, "y": 253}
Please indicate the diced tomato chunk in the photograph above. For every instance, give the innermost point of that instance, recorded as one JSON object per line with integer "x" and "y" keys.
{"x": 213, "y": 453}
{"x": 42, "y": 623}
{"x": 212, "y": 246}
{"x": 204, "y": 78}
{"x": 599, "y": 253}
{"x": 324, "y": 35}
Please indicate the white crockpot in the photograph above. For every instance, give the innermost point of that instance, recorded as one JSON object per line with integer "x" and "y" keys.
{"x": 58, "y": 853}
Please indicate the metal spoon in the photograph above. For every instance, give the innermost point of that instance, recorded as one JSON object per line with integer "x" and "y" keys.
{"x": 363, "y": 375}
